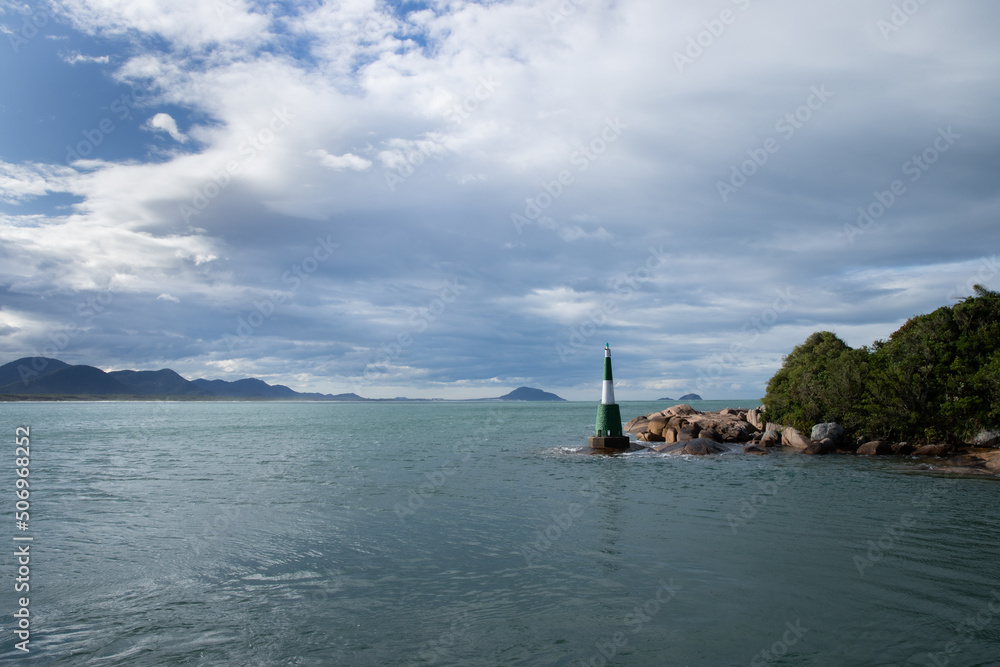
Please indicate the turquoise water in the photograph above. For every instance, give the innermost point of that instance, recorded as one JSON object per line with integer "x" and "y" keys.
{"x": 470, "y": 534}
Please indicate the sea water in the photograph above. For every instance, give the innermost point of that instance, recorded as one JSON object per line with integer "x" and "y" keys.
{"x": 454, "y": 533}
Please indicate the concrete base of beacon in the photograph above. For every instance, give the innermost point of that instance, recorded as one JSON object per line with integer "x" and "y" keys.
{"x": 609, "y": 442}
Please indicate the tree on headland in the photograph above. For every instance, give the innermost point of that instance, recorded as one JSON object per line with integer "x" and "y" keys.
{"x": 936, "y": 378}
{"x": 822, "y": 380}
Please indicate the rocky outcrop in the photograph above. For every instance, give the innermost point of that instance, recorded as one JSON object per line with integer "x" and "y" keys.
{"x": 771, "y": 438}
{"x": 683, "y": 430}
{"x": 682, "y": 423}
{"x": 875, "y": 448}
{"x": 831, "y": 430}
{"x": 792, "y": 438}
{"x": 933, "y": 450}
{"x": 903, "y": 448}
{"x": 696, "y": 447}
{"x": 985, "y": 438}
{"x": 819, "y": 448}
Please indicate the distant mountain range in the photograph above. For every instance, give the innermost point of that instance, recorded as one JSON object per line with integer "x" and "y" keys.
{"x": 55, "y": 379}
{"x": 685, "y": 397}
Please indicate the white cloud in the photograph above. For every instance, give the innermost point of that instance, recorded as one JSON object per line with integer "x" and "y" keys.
{"x": 480, "y": 106}
{"x": 165, "y": 123}
{"x": 189, "y": 24}
{"x": 76, "y": 58}
{"x": 341, "y": 162}
{"x": 22, "y": 182}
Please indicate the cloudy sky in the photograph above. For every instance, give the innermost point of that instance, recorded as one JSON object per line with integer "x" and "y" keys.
{"x": 456, "y": 198}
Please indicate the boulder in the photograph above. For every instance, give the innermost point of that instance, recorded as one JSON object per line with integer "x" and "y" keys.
{"x": 771, "y": 426}
{"x": 675, "y": 422}
{"x": 770, "y": 438}
{"x": 710, "y": 434}
{"x": 831, "y": 430}
{"x": 933, "y": 450}
{"x": 824, "y": 446}
{"x": 702, "y": 447}
{"x": 875, "y": 448}
{"x": 992, "y": 461}
{"x": 688, "y": 432}
{"x": 793, "y": 438}
{"x": 985, "y": 439}
{"x": 697, "y": 447}
{"x": 637, "y": 425}
{"x": 656, "y": 425}
{"x": 682, "y": 423}
{"x": 681, "y": 410}
{"x": 754, "y": 449}
{"x": 647, "y": 436}
{"x": 754, "y": 416}
{"x": 727, "y": 427}
{"x": 903, "y": 448}
{"x": 735, "y": 431}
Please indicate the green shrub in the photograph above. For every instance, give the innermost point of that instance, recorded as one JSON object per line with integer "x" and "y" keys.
{"x": 936, "y": 378}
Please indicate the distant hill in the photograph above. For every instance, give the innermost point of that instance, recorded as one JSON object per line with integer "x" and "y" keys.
{"x": 246, "y": 388}
{"x": 164, "y": 382}
{"x": 26, "y": 369}
{"x": 685, "y": 397}
{"x": 57, "y": 380}
{"x": 71, "y": 380}
{"x": 42, "y": 376}
{"x": 529, "y": 394}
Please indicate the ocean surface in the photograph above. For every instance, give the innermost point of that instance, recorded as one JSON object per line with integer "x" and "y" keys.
{"x": 203, "y": 533}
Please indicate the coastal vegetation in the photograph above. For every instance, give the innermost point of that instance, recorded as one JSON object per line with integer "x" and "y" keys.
{"x": 936, "y": 379}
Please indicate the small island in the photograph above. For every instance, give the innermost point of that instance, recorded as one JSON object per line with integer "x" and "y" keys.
{"x": 529, "y": 394}
{"x": 685, "y": 397}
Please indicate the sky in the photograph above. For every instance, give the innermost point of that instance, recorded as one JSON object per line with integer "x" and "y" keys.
{"x": 453, "y": 199}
